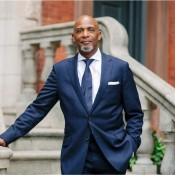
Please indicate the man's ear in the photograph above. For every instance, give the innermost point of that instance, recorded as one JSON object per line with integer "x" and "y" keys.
{"x": 99, "y": 35}
{"x": 73, "y": 39}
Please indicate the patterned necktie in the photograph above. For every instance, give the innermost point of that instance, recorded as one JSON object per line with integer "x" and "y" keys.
{"x": 86, "y": 84}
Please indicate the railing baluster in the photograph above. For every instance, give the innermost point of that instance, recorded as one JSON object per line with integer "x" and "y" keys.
{"x": 169, "y": 157}
{"x": 49, "y": 58}
{"x": 144, "y": 164}
{"x": 167, "y": 125}
{"x": 29, "y": 78}
{"x": 29, "y": 70}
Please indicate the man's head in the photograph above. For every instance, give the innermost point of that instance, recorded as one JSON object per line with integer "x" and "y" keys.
{"x": 86, "y": 35}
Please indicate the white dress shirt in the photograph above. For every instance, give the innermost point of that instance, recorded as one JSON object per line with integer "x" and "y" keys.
{"x": 95, "y": 68}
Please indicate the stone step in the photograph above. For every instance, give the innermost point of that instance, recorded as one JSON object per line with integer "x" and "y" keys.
{"x": 39, "y": 139}
{"x": 35, "y": 163}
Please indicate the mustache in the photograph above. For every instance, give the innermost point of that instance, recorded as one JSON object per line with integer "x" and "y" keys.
{"x": 86, "y": 40}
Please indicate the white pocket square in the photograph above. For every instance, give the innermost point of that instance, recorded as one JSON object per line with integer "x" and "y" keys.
{"x": 113, "y": 82}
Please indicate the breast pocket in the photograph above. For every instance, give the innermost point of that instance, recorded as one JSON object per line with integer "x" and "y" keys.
{"x": 113, "y": 86}
{"x": 113, "y": 92}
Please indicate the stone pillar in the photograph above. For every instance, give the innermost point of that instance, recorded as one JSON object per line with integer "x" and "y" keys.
{"x": 144, "y": 164}
{"x": 5, "y": 155}
{"x": 167, "y": 125}
{"x": 49, "y": 58}
{"x": 29, "y": 78}
{"x": 168, "y": 163}
{"x": 29, "y": 75}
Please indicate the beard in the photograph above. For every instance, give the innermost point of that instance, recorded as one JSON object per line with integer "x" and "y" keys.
{"x": 86, "y": 49}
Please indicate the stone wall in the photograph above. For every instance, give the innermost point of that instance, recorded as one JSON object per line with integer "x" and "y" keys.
{"x": 14, "y": 16}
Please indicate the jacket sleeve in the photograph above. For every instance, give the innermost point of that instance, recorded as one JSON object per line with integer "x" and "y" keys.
{"x": 132, "y": 107}
{"x": 35, "y": 112}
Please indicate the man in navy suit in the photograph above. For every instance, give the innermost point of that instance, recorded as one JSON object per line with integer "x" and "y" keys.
{"x": 95, "y": 98}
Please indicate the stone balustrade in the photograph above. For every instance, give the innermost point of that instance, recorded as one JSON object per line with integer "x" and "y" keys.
{"x": 5, "y": 153}
{"x": 154, "y": 92}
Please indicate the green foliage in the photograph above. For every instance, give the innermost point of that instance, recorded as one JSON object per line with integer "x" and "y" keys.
{"x": 158, "y": 151}
{"x": 132, "y": 161}
{"x": 157, "y": 154}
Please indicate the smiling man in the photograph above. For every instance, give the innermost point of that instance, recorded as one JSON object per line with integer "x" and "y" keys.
{"x": 86, "y": 35}
{"x": 94, "y": 91}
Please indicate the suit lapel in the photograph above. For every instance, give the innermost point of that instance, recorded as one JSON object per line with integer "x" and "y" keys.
{"x": 72, "y": 72}
{"x": 105, "y": 76}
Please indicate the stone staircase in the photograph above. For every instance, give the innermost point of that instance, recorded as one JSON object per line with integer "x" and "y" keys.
{"x": 38, "y": 153}
{"x": 30, "y": 160}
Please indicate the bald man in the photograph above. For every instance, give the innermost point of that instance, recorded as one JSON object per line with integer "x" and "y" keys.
{"x": 94, "y": 90}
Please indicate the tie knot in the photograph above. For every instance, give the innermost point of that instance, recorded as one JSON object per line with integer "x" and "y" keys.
{"x": 88, "y": 62}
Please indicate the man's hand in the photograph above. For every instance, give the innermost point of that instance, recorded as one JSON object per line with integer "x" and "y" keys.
{"x": 2, "y": 142}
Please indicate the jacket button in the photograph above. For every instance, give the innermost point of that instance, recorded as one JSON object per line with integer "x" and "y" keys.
{"x": 87, "y": 138}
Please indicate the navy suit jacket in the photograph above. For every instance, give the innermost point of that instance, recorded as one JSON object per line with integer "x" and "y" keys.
{"x": 104, "y": 121}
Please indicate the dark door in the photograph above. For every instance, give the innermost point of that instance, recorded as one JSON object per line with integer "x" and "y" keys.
{"x": 132, "y": 15}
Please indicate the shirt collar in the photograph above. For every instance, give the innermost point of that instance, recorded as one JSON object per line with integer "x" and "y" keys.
{"x": 96, "y": 56}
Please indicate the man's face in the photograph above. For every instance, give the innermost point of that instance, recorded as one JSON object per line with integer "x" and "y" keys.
{"x": 86, "y": 35}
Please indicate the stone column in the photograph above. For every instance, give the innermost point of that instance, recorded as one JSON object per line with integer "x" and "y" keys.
{"x": 167, "y": 125}
{"x": 168, "y": 163}
{"x": 29, "y": 78}
{"x": 49, "y": 58}
{"x": 144, "y": 164}
{"x": 29, "y": 75}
